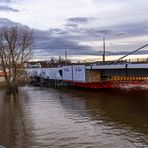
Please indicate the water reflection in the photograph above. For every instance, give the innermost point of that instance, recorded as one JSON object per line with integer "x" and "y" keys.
{"x": 123, "y": 113}
{"x": 43, "y": 117}
{"x": 13, "y": 128}
{"x": 126, "y": 107}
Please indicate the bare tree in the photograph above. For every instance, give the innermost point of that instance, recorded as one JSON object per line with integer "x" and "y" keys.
{"x": 15, "y": 50}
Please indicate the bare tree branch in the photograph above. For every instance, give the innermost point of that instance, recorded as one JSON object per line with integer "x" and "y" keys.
{"x": 15, "y": 50}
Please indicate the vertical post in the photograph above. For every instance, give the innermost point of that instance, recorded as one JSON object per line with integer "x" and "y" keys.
{"x": 65, "y": 57}
{"x": 103, "y": 49}
{"x": 59, "y": 58}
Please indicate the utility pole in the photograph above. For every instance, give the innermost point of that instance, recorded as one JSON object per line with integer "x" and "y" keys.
{"x": 103, "y": 58}
{"x": 59, "y": 58}
{"x": 66, "y": 57}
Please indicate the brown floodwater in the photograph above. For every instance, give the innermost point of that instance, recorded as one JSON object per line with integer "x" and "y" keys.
{"x": 73, "y": 118}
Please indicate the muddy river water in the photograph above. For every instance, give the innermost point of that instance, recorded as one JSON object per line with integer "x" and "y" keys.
{"x": 73, "y": 118}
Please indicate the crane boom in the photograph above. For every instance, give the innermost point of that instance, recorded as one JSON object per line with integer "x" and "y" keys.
{"x": 130, "y": 53}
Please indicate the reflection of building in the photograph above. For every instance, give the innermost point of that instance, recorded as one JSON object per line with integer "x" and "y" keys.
{"x": 119, "y": 108}
{"x": 73, "y": 103}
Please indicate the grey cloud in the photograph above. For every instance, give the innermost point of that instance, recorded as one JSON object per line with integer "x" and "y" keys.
{"x": 84, "y": 34}
{"x": 99, "y": 32}
{"x": 108, "y": 1}
{"x": 77, "y": 32}
{"x": 51, "y": 46}
{"x": 7, "y": 22}
{"x": 9, "y": 1}
{"x": 80, "y": 20}
{"x": 122, "y": 33}
{"x": 6, "y": 8}
{"x": 5, "y": 1}
{"x": 54, "y": 41}
{"x": 126, "y": 52}
{"x": 71, "y": 25}
{"x": 118, "y": 31}
{"x": 132, "y": 28}
{"x": 57, "y": 45}
{"x": 58, "y": 31}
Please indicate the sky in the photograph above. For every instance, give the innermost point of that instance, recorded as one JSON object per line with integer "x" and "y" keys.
{"x": 78, "y": 26}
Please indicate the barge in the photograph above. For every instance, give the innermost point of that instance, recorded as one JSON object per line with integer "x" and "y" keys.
{"x": 111, "y": 75}
{"x": 94, "y": 76}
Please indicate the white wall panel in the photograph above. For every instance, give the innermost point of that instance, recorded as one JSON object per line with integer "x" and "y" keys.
{"x": 79, "y": 73}
{"x": 67, "y": 73}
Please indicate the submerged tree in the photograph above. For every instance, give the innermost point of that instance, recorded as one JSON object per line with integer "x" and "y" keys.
{"x": 15, "y": 51}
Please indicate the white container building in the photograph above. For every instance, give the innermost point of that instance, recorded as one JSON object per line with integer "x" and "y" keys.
{"x": 79, "y": 73}
{"x": 67, "y": 73}
{"x": 53, "y": 73}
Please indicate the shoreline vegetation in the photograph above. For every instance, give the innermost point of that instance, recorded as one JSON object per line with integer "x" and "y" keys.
{"x": 15, "y": 51}
{"x": 22, "y": 82}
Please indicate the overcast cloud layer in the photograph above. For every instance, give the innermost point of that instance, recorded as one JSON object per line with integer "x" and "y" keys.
{"x": 79, "y": 25}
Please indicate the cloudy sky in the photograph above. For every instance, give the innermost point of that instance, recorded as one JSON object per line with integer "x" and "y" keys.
{"x": 78, "y": 26}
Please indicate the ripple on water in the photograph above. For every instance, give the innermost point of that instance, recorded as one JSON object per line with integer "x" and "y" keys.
{"x": 74, "y": 119}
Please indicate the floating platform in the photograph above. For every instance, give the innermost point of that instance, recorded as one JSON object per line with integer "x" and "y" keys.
{"x": 94, "y": 77}
{"x": 107, "y": 84}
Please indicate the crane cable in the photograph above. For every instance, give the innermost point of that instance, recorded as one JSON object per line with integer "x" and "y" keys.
{"x": 129, "y": 54}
